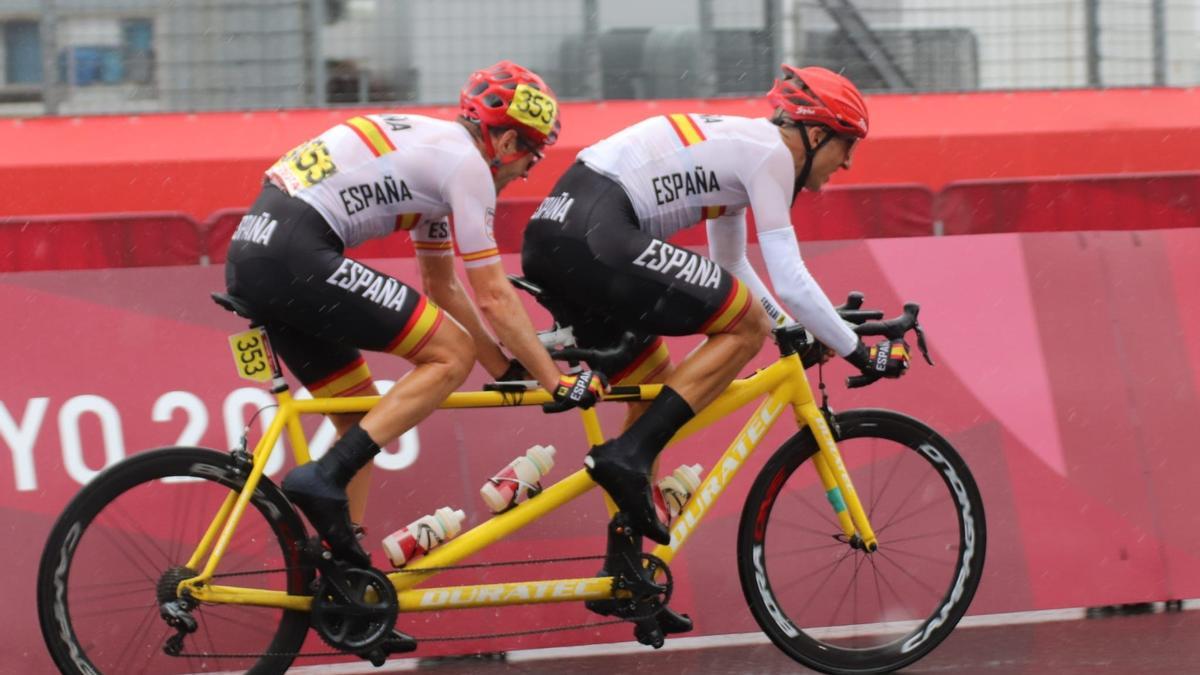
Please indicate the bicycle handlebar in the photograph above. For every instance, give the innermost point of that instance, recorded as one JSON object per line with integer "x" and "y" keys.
{"x": 866, "y": 322}
{"x": 892, "y": 329}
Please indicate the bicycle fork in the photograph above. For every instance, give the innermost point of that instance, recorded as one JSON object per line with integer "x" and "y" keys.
{"x": 839, "y": 489}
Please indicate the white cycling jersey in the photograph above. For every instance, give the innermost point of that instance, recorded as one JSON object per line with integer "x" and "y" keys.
{"x": 678, "y": 169}
{"x": 375, "y": 174}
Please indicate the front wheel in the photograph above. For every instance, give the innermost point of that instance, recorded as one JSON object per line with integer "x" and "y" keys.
{"x": 824, "y": 600}
{"x": 120, "y": 548}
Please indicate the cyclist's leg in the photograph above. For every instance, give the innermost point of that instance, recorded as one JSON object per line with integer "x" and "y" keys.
{"x": 736, "y": 331}
{"x": 599, "y": 258}
{"x": 442, "y": 355}
{"x": 325, "y": 307}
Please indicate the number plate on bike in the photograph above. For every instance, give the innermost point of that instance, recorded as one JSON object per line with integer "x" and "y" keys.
{"x": 251, "y": 355}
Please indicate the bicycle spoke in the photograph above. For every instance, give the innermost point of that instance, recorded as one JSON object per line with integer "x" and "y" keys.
{"x": 121, "y": 544}
{"x": 906, "y": 502}
{"x": 101, "y": 612}
{"x": 134, "y": 527}
{"x": 942, "y": 535}
{"x": 129, "y": 651}
{"x": 849, "y": 587}
{"x": 833, "y": 543}
{"x": 808, "y": 529}
{"x": 904, "y": 571}
{"x": 824, "y": 515}
{"x": 928, "y": 558}
{"x": 877, "y": 499}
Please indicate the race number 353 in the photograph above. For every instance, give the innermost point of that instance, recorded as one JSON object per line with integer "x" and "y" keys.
{"x": 251, "y": 355}
{"x": 533, "y": 107}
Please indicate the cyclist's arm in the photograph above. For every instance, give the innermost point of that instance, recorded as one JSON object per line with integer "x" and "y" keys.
{"x": 502, "y": 308}
{"x": 727, "y": 248}
{"x": 770, "y": 192}
{"x": 442, "y": 286}
{"x": 472, "y": 197}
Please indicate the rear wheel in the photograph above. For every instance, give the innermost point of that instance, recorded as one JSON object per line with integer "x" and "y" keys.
{"x": 120, "y": 548}
{"x": 828, "y": 603}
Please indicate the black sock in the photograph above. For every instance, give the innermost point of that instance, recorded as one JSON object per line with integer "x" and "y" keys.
{"x": 351, "y": 452}
{"x": 649, "y": 434}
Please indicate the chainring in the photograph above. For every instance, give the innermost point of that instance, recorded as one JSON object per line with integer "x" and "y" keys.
{"x": 355, "y": 609}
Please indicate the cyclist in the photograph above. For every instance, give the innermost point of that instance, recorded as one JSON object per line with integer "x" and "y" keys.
{"x": 366, "y": 178}
{"x": 598, "y": 244}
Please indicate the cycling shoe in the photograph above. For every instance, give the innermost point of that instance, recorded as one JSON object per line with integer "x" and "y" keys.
{"x": 326, "y": 506}
{"x": 629, "y": 487}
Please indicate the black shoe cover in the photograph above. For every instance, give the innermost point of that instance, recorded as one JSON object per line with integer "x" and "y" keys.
{"x": 629, "y": 487}
{"x": 326, "y": 506}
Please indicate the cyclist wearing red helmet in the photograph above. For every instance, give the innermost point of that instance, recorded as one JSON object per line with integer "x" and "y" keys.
{"x": 602, "y": 252}
{"x": 367, "y": 178}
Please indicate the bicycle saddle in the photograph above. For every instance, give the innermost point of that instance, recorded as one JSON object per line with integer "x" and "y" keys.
{"x": 234, "y": 304}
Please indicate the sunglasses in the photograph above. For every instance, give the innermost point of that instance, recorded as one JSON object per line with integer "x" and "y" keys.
{"x": 531, "y": 150}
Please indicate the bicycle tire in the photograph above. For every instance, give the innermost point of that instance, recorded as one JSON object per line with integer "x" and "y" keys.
{"x": 98, "y": 521}
{"x": 875, "y": 635}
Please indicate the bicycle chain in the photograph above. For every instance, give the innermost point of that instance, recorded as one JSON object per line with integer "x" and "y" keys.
{"x": 444, "y": 638}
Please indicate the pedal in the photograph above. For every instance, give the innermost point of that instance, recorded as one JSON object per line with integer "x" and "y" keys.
{"x": 396, "y": 643}
{"x": 672, "y": 622}
{"x": 648, "y": 632}
{"x": 399, "y": 643}
{"x": 376, "y": 656}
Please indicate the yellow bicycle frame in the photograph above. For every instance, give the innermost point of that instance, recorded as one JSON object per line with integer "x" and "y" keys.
{"x": 783, "y": 383}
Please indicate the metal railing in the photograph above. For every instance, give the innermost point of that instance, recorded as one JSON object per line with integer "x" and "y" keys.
{"x": 110, "y": 56}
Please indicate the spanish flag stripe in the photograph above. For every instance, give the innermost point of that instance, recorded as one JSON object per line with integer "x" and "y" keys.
{"x": 437, "y": 321}
{"x": 357, "y": 390}
{"x": 734, "y": 308}
{"x": 347, "y": 379}
{"x": 689, "y": 132}
{"x": 424, "y": 318}
{"x": 432, "y": 245}
{"x": 371, "y": 134}
{"x": 654, "y": 373}
{"x": 480, "y": 255}
{"x": 714, "y": 211}
{"x": 407, "y": 221}
{"x": 648, "y": 363}
{"x": 678, "y": 131}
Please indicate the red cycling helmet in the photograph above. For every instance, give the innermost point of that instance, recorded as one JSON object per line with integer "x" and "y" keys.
{"x": 507, "y": 95}
{"x": 815, "y": 95}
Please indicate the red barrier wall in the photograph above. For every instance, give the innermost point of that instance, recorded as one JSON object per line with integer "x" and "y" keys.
{"x": 1060, "y": 378}
{"x": 1127, "y": 202}
{"x": 98, "y": 241}
{"x": 200, "y": 163}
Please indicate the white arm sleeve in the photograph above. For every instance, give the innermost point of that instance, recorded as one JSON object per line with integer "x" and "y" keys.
{"x": 727, "y": 248}
{"x": 800, "y": 292}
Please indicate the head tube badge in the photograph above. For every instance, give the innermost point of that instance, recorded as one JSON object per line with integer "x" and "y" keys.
{"x": 533, "y": 108}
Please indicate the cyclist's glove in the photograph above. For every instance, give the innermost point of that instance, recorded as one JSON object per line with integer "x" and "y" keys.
{"x": 515, "y": 373}
{"x": 887, "y": 358}
{"x": 577, "y": 391}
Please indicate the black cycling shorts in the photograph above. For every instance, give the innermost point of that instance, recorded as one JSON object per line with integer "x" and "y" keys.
{"x": 604, "y": 276}
{"x": 318, "y": 306}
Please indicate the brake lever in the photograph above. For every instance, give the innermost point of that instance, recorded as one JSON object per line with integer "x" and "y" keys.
{"x": 921, "y": 343}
